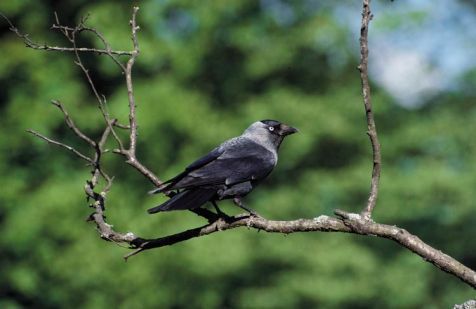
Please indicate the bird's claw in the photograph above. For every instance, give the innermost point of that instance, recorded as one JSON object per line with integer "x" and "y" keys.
{"x": 220, "y": 214}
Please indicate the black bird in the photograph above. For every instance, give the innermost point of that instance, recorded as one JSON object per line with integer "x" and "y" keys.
{"x": 231, "y": 170}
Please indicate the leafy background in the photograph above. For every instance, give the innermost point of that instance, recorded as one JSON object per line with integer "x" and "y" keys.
{"x": 206, "y": 71}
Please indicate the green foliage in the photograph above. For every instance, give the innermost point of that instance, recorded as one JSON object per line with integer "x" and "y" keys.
{"x": 204, "y": 73}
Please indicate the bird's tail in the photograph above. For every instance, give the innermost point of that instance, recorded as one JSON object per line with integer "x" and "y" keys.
{"x": 188, "y": 199}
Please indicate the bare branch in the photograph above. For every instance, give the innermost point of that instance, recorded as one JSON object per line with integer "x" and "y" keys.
{"x": 130, "y": 91}
{"x": 371, "y": 128}
{"x": 105, "y": 135}
{"x": 122, "y": 126}
{"x": 31, "y": 44}
{"x": 322, "y": 223}
{"x": 51, "y": 141}
{"x": 106, "y": 230}
{"x": 347, "y": 223}
{"x": 361, "y": 225}
{"x": 100, "y": 98}
{"x": 79, "y": 63}
{"x": 469, "y": 304}
{"x": 130, "y": 153}
{"x": 97, "y": 161}
{"x": 70, "y": 123}
{"x": 70, "y": 32}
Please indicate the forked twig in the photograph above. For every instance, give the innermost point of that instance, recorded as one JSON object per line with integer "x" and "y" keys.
{"x": 70, "y": 123}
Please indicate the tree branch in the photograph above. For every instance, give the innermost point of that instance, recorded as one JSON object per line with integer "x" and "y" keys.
{"x": 31, "y": 44}
{"x": 361, "y": 225}
{"x": 347, "y": 223}
{"x": 130, "y": 153}
{"x": 70, "y": 123}
{"x": 469, "y": 304}
{"x": 130, "y": 91}
{"x": 321, "y": 223}
{"x": 106, "y": 231}
{"x": 371, "y": 128}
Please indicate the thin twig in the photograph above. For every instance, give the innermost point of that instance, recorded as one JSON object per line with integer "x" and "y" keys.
{"x": 100, "y": 98}
{"x": 371, "y": 128}
{"x": 70, "y": 123}
{"x": 77, "y": 49}
{"x": 31, "y": 44}
{"x": 83, "y": 28}
{"x": 70, "y": 33}
{"x": 97, "y": 161}
{"x": 122, "y": 126}
{"x": 67, "y": 31}
{"x": 51, "y": 141}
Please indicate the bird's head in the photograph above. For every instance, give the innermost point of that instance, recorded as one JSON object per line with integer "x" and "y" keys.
{"x": 270, "y": 132}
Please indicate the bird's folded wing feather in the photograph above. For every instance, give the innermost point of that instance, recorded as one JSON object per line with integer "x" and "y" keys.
{"x": 209, "y": 157}
{"x": 240, "y": 161}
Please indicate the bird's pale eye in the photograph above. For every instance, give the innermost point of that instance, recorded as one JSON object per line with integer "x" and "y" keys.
{"x": 271, "y": 129}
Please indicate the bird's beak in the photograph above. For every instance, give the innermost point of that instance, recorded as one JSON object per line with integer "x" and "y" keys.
{"x": 287, "y": 130}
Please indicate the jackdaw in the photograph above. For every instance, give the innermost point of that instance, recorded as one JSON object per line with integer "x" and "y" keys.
{"x": 231, "y": 170}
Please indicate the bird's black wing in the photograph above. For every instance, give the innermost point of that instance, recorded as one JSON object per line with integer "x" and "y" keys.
{"x": 209, "y": 157}
{"x": 187, "y": 199}
{"x": 241, "y": 161}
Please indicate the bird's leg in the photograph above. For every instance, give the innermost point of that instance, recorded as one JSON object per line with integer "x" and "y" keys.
{"x": 239, "y": 203}
{"x": 219, "y": 212}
